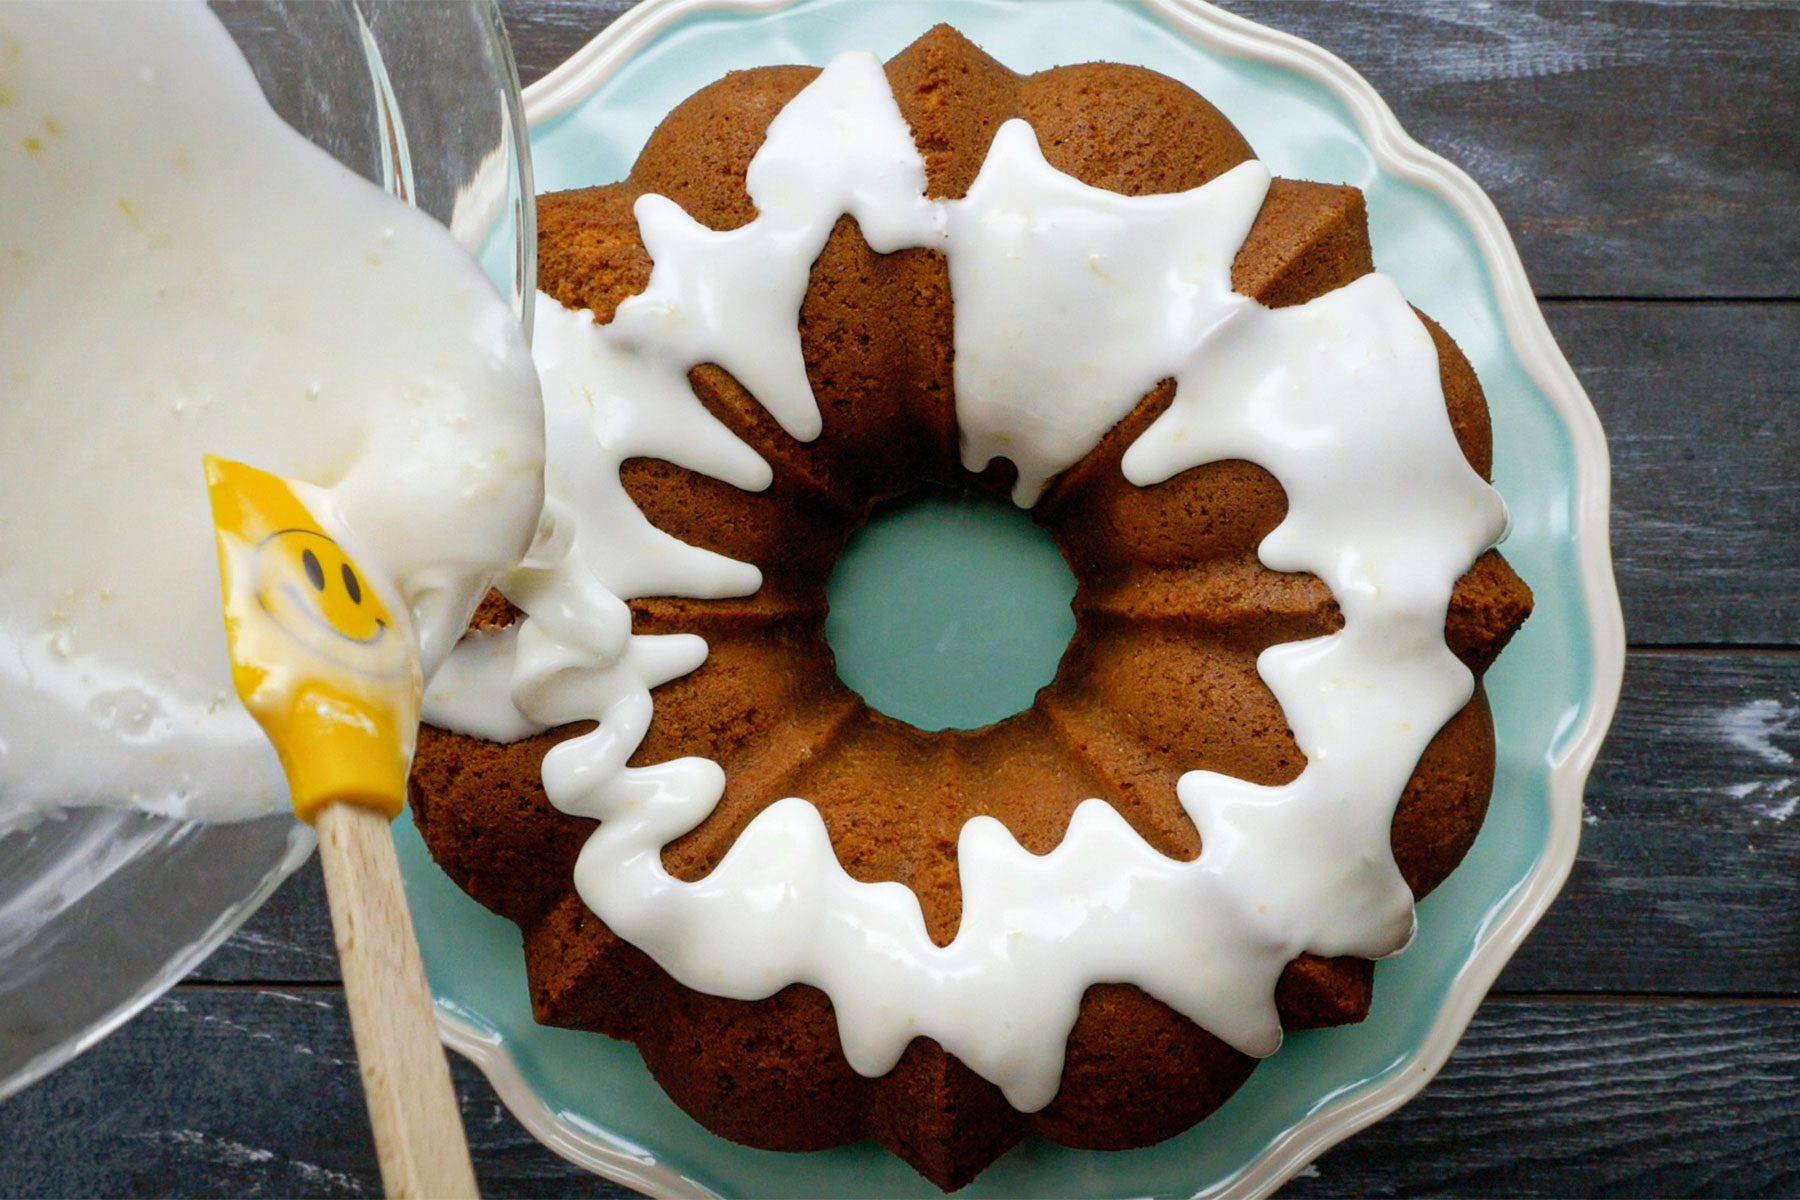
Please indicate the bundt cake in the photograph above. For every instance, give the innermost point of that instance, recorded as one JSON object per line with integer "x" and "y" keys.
{"x": 1268, "y": 735}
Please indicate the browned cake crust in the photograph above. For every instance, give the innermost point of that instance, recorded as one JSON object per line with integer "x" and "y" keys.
{"x": 1173, "y": 608}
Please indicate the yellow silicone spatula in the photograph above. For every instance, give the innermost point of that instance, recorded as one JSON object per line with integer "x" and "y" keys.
{"x": 331, "y": 672}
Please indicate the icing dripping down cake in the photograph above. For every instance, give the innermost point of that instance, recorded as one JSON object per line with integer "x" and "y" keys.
{"x": 820, "y": 289}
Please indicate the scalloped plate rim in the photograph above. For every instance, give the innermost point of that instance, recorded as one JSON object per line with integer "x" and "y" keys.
{"x": 1531, "y": 340}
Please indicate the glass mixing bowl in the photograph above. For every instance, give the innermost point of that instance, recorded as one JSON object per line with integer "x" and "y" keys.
{"x": 103, "y": 911}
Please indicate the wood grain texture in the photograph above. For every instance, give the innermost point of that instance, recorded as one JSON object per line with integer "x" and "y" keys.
{"x": 1545, "y": 1099}
{"x": 287, "y": 941}
{"x": 1699, "y": 404}
{"x": 406, "y": 1081}
{"x": 240, "y": 1092}
{"x": 1688, "y": 878}
{"x": 545, "y": 32}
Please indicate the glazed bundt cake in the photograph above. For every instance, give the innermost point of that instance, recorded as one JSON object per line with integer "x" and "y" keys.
{"x": 820, "y": 924}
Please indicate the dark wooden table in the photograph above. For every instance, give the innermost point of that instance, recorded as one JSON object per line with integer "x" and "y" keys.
{"x": 1647, "y": 1038}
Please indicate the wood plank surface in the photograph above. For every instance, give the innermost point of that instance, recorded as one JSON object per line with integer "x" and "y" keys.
{"x": 247, "y": 1092}
{"x": 1688, "y": 879}
{"x": 240, "y": 1092}
{"x": 1699, "y": 404}
{"x": 1593, "y": 1099}
{"x": 287, "y": 941}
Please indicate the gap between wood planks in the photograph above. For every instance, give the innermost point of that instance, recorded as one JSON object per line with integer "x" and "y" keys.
{"x": 1714, "y": 649}
{"x": 1739, "y": 1000}
{"x": 1583, "y": 298}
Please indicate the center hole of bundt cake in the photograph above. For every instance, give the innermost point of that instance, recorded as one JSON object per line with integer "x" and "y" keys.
{"x": 950, "y": 610}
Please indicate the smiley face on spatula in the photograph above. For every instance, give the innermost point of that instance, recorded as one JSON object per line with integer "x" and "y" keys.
{"x": 325, "y": 664}
{"x": 313, "y": 592}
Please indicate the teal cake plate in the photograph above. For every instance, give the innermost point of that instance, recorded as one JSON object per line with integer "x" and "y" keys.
{"x": 1553, "y": 692}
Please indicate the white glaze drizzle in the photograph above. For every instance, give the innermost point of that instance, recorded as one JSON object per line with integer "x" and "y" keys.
{"x": 182, "y": 273}
{"x": 1071, "y": 302}
{"x": 1040, "y": 377}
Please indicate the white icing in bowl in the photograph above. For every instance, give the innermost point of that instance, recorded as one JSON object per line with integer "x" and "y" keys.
{"x": 185, "y": 274}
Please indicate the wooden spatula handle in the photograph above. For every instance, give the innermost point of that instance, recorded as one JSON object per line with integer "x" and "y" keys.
{"x": 412, "y": 1105}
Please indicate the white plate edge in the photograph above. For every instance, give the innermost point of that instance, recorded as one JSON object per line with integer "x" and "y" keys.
{"x": 571, "y": 81}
